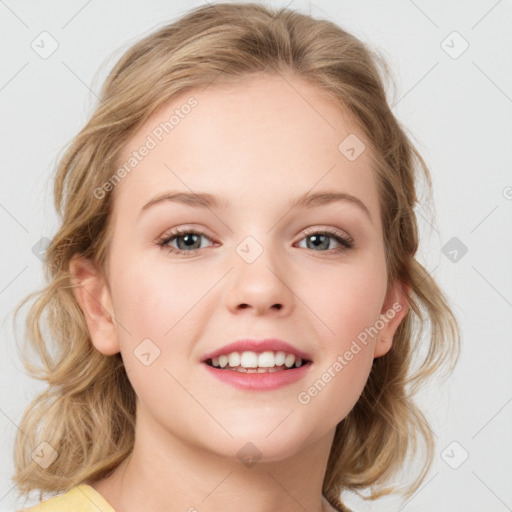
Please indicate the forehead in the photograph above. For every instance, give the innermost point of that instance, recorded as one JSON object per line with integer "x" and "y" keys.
{"x": 272, "y": 135}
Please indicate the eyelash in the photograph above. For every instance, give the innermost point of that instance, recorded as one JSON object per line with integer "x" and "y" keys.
{"x": 346, "y": 242}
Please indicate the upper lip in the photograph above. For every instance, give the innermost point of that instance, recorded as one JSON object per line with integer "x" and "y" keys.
{"x": 272, "y": 344}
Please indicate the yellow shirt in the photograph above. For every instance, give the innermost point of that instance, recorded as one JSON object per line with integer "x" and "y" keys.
{"x": 81, "y": 498}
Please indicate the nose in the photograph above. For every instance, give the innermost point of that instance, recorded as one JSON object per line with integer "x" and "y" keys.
{"x": 260, "y": 286}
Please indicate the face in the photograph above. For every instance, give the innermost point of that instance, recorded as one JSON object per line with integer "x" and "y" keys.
{"x": 252, "y": 266}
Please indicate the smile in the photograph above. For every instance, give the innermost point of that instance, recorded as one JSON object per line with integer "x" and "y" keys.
{"x": 252, "y": 362}
{"x": 256, "y": 378}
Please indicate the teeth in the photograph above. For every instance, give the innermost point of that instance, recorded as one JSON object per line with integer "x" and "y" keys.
{"x": 264, "y": 361}
{"x": 256, "y": 370}
{"x": 249, "y": 360}
{"x": 234, "y": 359}
{"x": 279, "y": 358}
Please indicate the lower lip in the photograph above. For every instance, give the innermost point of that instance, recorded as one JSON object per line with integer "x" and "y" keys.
{"x": 259, "y": 381}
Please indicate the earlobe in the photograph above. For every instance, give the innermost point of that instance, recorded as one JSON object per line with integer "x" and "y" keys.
{"x": 394, "y": 309}
{"x": 93, "y": 296}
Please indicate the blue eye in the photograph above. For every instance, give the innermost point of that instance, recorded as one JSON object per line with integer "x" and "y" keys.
{"x": 189, "y": 241}
{"x": 319, "y": 239}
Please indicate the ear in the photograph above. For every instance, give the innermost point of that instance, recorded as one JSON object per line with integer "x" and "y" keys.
{"x": 394, "y": 309}
{"x": 93, "y": 295}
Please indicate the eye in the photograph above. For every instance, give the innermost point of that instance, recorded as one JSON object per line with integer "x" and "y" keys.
{"x": 188, "y": 241}
{"x": 320, "y": 239}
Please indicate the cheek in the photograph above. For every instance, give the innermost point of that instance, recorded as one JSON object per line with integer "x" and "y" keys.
{"x": 348, "y": 299}
{"x": 144, "y": 305}
{"x": 348, "y": 305}
{"x": 151, "y": 294}
{"x": 154, "y": 308}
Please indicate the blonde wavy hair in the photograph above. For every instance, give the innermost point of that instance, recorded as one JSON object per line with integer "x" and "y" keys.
{"x": 87, "y": 412}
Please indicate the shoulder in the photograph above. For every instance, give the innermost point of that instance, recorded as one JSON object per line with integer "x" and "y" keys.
{"x": 81, "y": 498}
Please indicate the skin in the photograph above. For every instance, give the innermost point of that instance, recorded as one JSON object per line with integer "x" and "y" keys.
{"x": 259, "y": 143}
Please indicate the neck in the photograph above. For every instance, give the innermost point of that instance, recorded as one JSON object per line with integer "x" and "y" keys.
{"x": 164, "y": 473}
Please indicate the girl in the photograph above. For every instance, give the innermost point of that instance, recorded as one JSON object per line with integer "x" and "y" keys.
{"x": 234, "y": 290}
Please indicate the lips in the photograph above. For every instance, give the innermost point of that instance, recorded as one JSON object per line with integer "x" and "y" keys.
{"x": 257, "y": 346}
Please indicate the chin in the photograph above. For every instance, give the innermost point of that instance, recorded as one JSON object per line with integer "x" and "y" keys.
{"x": 263, "y": 444}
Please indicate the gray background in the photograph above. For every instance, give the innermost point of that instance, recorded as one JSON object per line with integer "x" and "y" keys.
{"x": 457, "y": 107}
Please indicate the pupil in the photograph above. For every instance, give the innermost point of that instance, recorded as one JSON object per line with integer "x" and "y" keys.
{"x": 315, "y": 238}
{"x": 189, "y": 241}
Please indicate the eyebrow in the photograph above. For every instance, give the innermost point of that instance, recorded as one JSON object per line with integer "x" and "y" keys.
{"x": 307, "y": 200}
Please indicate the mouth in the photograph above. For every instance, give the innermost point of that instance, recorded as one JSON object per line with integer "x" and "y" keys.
{"x": 265, "y": 365}
{"x": 257, "y": 362}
